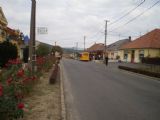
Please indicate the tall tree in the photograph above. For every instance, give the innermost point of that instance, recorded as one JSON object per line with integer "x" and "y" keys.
{"x": 57, "y": 49}
{"x": 43, "y": 49}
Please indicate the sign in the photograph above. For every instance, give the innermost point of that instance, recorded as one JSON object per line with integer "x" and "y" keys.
{"x": 42, "y": 30}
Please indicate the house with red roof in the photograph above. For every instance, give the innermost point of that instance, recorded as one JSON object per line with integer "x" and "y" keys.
{"x": 7, "y": 33}
{"x": 147, "y": 45}
{"x": 96, "y": 51}
{"x": 3, "y": 25}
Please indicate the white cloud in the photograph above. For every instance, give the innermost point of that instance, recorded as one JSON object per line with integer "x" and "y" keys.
{"x": 69, "y": 20}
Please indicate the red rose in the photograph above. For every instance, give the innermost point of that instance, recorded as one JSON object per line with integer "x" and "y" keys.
{"x": 33, "y": 78}
{"x": 9, "y": 80}
{"x": 25, "y": 80}
{"x": 20, "y": 73}
{"x": 19, "y": 95}
{"x": 20, "y": 105}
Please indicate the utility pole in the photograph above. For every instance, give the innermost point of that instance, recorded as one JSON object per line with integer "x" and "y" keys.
{"x": 74, "y": 52}
{"x": 77, "y": 50}
{"x": 105, "y": 42}
{"x": 77, "y": 46}
{"x": 32, "y": 52}
{"x": 84, "y": 42}
{"x": 55, "y": 43}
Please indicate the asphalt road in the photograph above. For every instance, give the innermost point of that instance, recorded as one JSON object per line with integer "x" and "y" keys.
{"x": 96, "y": 92}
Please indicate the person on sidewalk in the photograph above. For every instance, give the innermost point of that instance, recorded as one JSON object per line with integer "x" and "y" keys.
{"x": 106, "y": 59}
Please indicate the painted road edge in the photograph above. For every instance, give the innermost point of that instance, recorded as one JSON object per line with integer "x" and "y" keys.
{"x": 63, "y": 107}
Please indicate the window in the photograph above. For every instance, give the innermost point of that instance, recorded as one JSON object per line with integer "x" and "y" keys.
{"x": 141, "y": 54}
{"x": 125, "y": 54}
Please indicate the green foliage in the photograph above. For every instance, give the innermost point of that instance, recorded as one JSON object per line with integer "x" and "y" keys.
{"x": 15, "y": 83}
{"x": 42, "y": 50}
{"x": 58, "y": 49}
{"x": 45, "y": 63}
{"x": 7, "y": 51}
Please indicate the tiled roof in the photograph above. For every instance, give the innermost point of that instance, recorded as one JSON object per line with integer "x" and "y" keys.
{"x": 11, "y": 31}
{"x": 96, "y": 47}
{"x": 116, "y": 45}
{"x": 149, "y": 40}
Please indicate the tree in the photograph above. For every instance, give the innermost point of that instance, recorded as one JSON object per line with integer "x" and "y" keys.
{"x": 43, "y": 49}
{"x": 58, "y": 49}
{"x": 7, "y": 51}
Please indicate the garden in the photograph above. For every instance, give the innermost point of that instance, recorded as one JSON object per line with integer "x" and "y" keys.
{"x": 17, "y": 83}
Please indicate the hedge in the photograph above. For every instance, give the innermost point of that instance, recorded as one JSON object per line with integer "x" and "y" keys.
{"x": 154, "y": 61}
{"x": 7, "y": 51}
{"x": 149, "y": 73}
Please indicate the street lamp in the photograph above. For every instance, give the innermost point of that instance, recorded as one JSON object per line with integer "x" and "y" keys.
{"x": 32, "y": 54}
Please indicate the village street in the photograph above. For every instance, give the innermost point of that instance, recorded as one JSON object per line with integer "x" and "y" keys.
{"x": 96, "y": 92}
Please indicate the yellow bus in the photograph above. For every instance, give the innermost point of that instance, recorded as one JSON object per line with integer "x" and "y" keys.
{"x": 84, "y": 56}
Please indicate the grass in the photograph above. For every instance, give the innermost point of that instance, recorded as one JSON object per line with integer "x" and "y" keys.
{"x": 44, "y": 102}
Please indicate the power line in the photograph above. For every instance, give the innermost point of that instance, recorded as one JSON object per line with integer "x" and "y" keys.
{"x": 136, "y": 16}
{"x": 120, "y": 35}
{"x": 100, "y": 31}
{"x": 127, "y": 13}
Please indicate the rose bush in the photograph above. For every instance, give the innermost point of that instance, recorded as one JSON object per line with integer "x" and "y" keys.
{"x": 45, "y": 63}
{"x": 15, "y": 83}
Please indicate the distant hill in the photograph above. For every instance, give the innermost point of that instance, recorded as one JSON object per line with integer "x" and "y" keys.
{"x": 70, "y": 50}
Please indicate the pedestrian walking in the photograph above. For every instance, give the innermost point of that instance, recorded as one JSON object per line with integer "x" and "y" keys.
{"x": 106, "y": 59}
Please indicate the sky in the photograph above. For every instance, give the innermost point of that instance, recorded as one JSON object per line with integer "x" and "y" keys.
{"x": 68, "y": 21}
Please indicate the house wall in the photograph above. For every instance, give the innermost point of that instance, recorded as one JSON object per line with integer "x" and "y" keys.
{"x": 3, "y": 19}
{"x": 2, "y": 34}
{"x": 145, "y": 53}
{"x": 136, "y": 56}
{"x": 1, "y": 39}
{"x": 129, "y": 56}
{"x": 3, "y": 25}
{"x": 115, "y": 54}
{"x": 121, "y": 54}
{"x": 152, "y": 52}
{"x": 112, "y": 54}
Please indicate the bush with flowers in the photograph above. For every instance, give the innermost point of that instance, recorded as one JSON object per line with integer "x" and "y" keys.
{"x": 16, "y": 83}
{"x": 45, "y": 63}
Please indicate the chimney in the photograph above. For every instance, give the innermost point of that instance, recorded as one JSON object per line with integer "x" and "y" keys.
{"x": 129, "y": 38}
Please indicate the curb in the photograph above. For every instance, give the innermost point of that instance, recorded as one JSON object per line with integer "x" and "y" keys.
{"x": 63, "y": 107}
